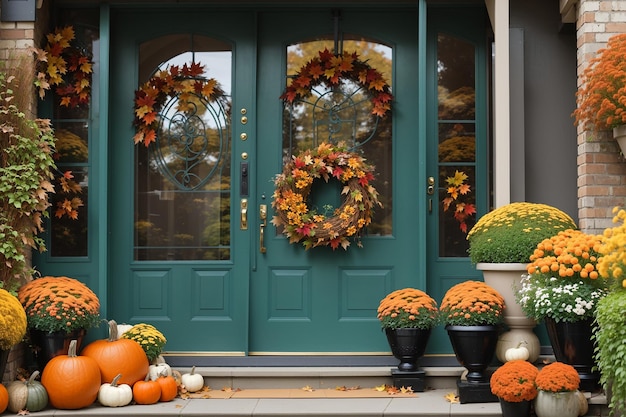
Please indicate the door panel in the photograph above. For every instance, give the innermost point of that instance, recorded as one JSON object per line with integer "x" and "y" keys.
{"x": 187, "y": 275}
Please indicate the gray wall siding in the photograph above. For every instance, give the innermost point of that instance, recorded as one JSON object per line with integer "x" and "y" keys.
{"x": 549, "y": 92}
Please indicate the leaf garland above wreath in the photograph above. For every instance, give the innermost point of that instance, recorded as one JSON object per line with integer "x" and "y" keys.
{"x": 185, "y": 82}
{"x": 65, "y": 66}
{"x": 330, "y": 69}
{"x": 304, "y": 224}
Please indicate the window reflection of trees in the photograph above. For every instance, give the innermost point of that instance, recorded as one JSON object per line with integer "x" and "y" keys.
{"x": 183, "y": 181}
{"x": 306, "y": 124}
{"x": 457, "y": 132}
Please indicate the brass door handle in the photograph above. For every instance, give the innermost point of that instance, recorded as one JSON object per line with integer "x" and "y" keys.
{"x": 243, "y": 225}
{"x": 263, "y": 223}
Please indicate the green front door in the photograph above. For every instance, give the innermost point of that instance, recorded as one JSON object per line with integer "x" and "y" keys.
{"x": 186, "y": 255}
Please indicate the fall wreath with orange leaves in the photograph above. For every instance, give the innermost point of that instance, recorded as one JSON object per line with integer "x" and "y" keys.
{"x": 330, "y": 70}
{"x": 186, "y": 83}
{"x": 311, "y": 227}
{"x": 66, "y": 66}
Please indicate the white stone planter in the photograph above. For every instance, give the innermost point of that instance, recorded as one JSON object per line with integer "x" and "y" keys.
{"x": 505, "y": 277}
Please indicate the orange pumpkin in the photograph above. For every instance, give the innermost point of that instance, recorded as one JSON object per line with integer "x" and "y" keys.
{"x": 169, "y": 388}
{"x": 72, "y": 381}
{"x": 118, "y": 356}
{"x": 147, "y": 391}
{"x": 4, "y": 398}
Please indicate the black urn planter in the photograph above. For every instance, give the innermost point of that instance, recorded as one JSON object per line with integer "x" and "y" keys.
{"x": 408, "y": 345}
{"x": 474, "y": 348}
{"x": 518, "y": 409}
{"x": 47, "y": 345}
{"x": 573, "y": 344}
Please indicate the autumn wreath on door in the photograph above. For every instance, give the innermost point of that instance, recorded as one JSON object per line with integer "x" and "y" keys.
{"x": 310, "y": 226}
{"x": 334, "y": 227}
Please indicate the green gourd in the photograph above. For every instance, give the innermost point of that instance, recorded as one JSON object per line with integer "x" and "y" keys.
{"x": 28, "y": 395}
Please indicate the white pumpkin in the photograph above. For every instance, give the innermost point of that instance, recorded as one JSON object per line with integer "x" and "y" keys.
{"x": 584, "y": 404}
{"x": 158, "y": 369}
{"x": 517, "y": 353}
{"x": 114, "y": 394}
{"x": 123, "y": 328}
{"x": 192, "y": 381}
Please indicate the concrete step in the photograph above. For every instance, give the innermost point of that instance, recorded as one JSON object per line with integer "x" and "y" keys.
{"x": 440, "y": 381}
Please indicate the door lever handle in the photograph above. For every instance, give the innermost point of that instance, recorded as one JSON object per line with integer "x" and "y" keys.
{"x": 243, "y": 225}
{"x": 263, "y": 216}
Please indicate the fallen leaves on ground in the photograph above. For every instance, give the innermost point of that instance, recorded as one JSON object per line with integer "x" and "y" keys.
{"x": 307, "y": 388}
{"x": 344, "y": 388}
{"x": 391, "y": 390}
{"x": 452, "y": 398}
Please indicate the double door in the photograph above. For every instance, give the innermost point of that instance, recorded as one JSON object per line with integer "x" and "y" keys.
{"x": 196, "y": 253}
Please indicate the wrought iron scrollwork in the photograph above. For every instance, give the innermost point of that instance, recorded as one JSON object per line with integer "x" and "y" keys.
{"x": 192, "y": 142}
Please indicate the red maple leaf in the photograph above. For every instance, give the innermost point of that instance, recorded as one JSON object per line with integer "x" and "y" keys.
{"x": 337, "y": 172}
{"x": 302, "y": 81}
{"x": 334, "y": 243}
{"x": 326, "y": 55}
{"x": 194, "y": 70}
{"x": 144, "y": 100}
{"x": 316, "y": 71}
{"x": 149, "y": 137}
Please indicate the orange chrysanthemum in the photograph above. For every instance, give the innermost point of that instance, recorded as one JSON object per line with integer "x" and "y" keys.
{"x": 59, "y": 303}
{"x": 472, "y": 303}
{"x": 408, "y": 307}
{"x": 601, "y": 104}
{"x": 569, "y": 254}
{"x": 515, "y": 381}
{"x": 557, "y": 377}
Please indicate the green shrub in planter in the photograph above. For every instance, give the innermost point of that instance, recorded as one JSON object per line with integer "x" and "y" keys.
{"x": 510, "y": 234}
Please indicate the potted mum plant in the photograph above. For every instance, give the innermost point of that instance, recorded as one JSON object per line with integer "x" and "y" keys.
{"x": 562, "y": 289}
{"x": 500, "y": 244}
{"x": 12, "y": 326}
{"x": 514, "y": 385}
{"x": 407, "y": 317}
{"x": 472, "y": 312}
{"x": 599, "y": 102}
{"x": 149, "y": 338}
{"x": 558, "y": 395}
{"x": 58, "y": 309}
{"x": 610, "y": 330}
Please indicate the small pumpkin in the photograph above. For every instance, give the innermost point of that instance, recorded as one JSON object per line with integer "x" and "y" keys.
{"x": 118, "y": 356}
{"x": 192, "y": 381}
{"x": 114, "y": 394}
{"x": 28, "y": 395}
{"x": 147, "y": 391}
{"x": 4, "y": 398}
{"x": 123, "y": 328}
{"x": 517, "y": 353}
{"x": 158, "y": 369}
{"x": 72, "y": 381}
{"x": 169, "y": 387}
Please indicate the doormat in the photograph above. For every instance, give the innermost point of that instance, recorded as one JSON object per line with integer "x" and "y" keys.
{"x": 306, "y": 392}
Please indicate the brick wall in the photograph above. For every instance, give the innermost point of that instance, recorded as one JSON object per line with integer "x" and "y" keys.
{"x": 15, "y": 39}
{"x": 601, "y": 166}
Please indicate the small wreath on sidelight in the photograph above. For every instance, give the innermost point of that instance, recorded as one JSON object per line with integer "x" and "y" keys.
{"x": 306, "y": 225}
